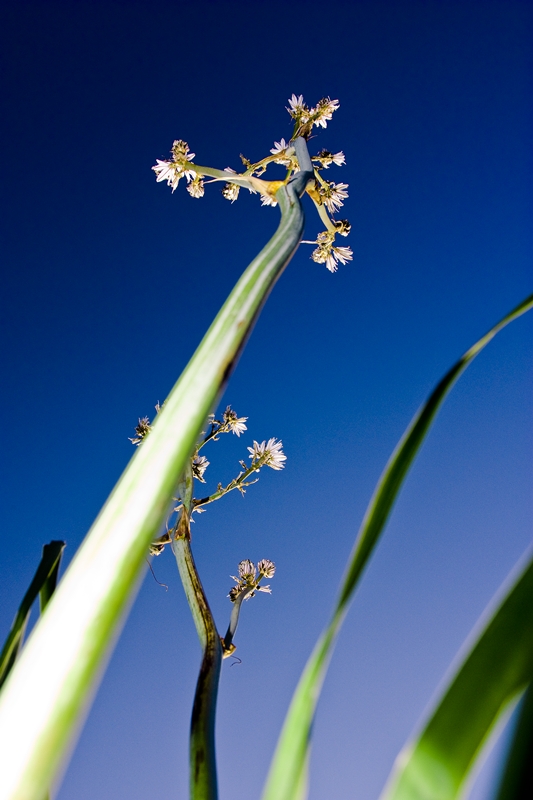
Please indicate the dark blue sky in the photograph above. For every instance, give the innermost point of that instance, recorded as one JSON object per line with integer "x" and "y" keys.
{"x": 109, "y": 282}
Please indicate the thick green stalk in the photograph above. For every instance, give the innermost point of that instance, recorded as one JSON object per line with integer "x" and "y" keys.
{"x": 47, "y": 694}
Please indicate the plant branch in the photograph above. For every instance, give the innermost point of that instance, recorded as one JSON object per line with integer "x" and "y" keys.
{"x": 203, "y": 774}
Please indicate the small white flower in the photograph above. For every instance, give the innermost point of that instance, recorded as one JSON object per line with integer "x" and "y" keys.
{"x": 326, "y": 158}
{"x": 331, "y": 263}
{"x": 327, "y": 254}
{"x": 235, "y": 424}
{"x": 284, "y": 151}
{"x": 297, "y": 109}
{"x": 199, "y": 466}
{"x": 169, "y": 172}
{"x": 266, "y": 568}
{"x": 173, "y": 171}
{"x": 269, "y": 454}
{"x": 344, "y": 254}
{"x": 333, "y": 195}
{"x": 323, "y": 111}
{"x": 279, "y": 147}
{"x": 196, "y": 187}
{"x": 247, "y": 570}
{"x": 268, "y": 200}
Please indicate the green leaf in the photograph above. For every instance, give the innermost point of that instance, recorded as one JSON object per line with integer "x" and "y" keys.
{"x": 48, "y": 692}
{"x": 43, "y": 583}
{"x": 497, "y": 668}
{"x": 517, "y": 778}
{"x": 287, "y": 779}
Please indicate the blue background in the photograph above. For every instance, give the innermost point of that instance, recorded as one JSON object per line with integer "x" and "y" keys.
{"x": 109, "y": 282}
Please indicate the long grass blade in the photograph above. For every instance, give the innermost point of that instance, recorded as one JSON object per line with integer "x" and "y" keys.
{"x": 517, "y": 778}
{"x": 287, "y": 777}
{"x": 497, "y": 668}
{"x": 43, "y": 584}
{"x": 46, "y": 695}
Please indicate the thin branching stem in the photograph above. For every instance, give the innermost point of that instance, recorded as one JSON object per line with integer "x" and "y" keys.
{"x": 203, "y": 773}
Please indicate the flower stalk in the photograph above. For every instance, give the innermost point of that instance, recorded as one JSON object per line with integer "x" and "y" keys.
{"x": 203, "y": 774}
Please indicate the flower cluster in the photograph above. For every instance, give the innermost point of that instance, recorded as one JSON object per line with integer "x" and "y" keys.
{"x": 267, "y": 454}
{"x": 325, "y": 159}
{"x": 326, "y": 253}
{"x": 332, "y": 194}
{"x": 179, "y": 167}
{"x": 142, "y": 429}
{"x": 328, "y": 196}
{"x": 305, "y": 117}
{"x": 230, "y": 423}
{"x": 249, "y": 580}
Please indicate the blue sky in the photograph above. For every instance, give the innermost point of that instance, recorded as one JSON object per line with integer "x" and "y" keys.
{"x": 110, "y": 280}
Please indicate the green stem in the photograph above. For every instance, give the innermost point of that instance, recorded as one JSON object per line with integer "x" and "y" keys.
{"x": 234, "y": 619}
{"x": 203, "y": 768}
{"x": 203, "y": 772}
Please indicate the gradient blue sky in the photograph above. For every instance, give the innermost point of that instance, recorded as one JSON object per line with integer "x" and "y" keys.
{"x": 109, "y": 282}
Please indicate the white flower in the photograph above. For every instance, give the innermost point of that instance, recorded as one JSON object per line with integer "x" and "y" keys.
{"x": 333, "y": 195}
{"x": 269, "y": 454}
{"x": 326, "y": 253}
{"x": 281, "y": 148}
{"x": 169, "y": 172}
{"x": 268, "y": 200}
{"x": 234, "y": 423}
{"x": 199, "y": 466}
{"x": 344, "y": 254}
{"x": 173, "y": 171}
{"x": 266, "y": 568}
{"x": 196, "y": 187}
{"x": 329, "y": 255}
{"x": 298, "y": 109}
{"x": 326, "y": 158}
{"x": 323, "y": 111}
{"x": 247, "y": 570}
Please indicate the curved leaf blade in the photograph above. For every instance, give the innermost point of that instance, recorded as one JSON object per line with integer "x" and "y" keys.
{"x": 517, "y": 777}
{"x": 43, "y": 584}
{"x": 287, "y": 776}
{"x": 497, "y": 668}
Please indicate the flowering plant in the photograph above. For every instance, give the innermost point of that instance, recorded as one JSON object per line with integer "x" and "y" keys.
{"x": 327, "y": 196}
{"x": 46, "y": 690}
